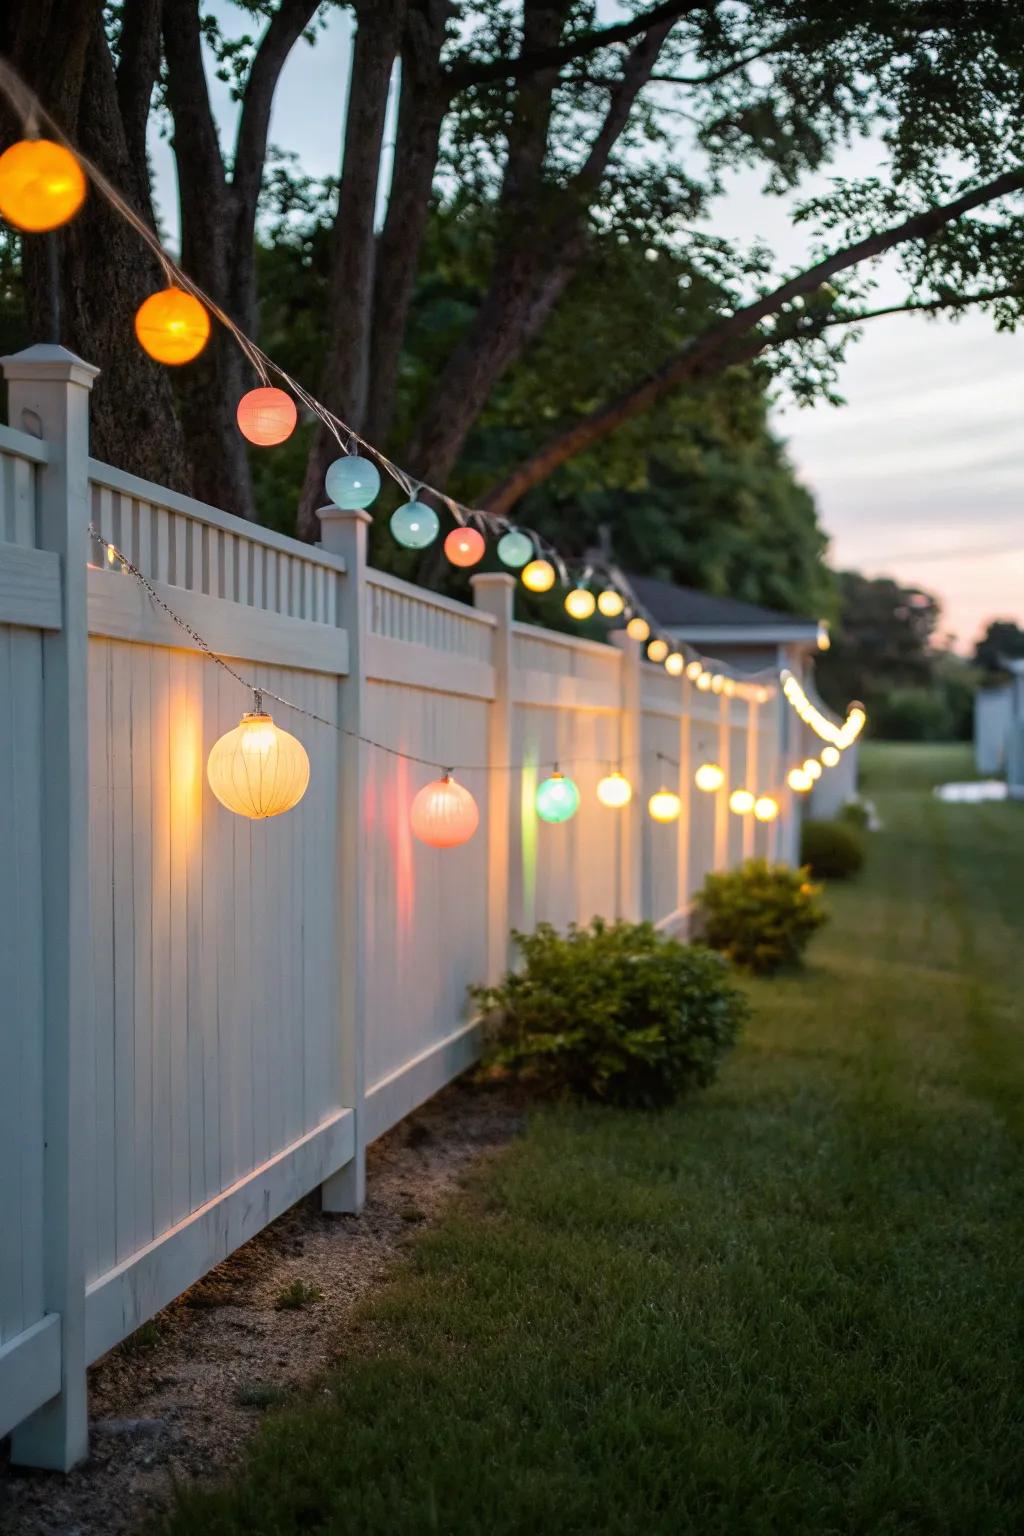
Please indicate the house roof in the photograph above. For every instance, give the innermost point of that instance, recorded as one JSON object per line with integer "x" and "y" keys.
{"x": 685, "y": 609}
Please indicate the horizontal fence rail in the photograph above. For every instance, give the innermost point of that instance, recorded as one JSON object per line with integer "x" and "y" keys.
{"x": 232, "y": 1010}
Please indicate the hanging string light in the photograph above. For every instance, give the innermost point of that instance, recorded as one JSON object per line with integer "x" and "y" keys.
{"x": 709, "y": 777}
{"x": 515, "y": 549}
{"x": 694, "y": 669}
{"x": 664, "y": 805}
{"x": 580, "y": 603}
{"x": 538, "y": 576}
{"x": 465, "y": 547}
{"x": 766, "y": 808}
{"x": 812, "y": 768}
{"x": 674, "y": 664}
{"x": 42, "y": 185}
{"x": 266, "y": 416}
{"x": 657, "y": 650}
{"x": 615, "y": 790}
{"x": 741, "y": 802}
{"x": 704, "y": 681}
{"x": 444, "y": 814}
{"x": 830, "y": 756}
{"x": 172, "y": 326}
{"x": 638, "y": 628}
{"x": 610, "y": 603}
{"x": 352, "y": 482}
{"x": 557, "y": 798}
{"x": 799, "y": 781}
{"x": 415, "y": 525}
{"x": 258, "y": 770}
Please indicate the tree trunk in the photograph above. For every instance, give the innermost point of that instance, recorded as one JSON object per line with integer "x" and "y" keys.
{"x": 346, "y": 373}
{"x": 105, "y": 270}
{"x": 731, "y": 341}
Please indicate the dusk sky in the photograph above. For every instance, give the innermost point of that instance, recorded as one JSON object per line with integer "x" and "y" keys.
{"x": 919, "y": 476}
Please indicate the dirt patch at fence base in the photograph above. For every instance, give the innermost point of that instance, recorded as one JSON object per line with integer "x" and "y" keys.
{"x": 179, "y": 1399}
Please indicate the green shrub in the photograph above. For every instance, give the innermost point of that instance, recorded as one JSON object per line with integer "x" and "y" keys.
{"x": 832, "y": 850}
{"x": 761, "y": 915}
{"x": 856, "y": 814}
{"x": 615, "y": 1011}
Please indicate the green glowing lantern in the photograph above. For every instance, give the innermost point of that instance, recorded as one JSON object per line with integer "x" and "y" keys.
{"x": 557, "y": 798}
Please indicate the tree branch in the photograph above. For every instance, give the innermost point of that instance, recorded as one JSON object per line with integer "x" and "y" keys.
{"x": 705, "y": 353}
{"x": 466, "y": 72}
{"x": 285, "y": 28}
{"x": 137, "y": 71}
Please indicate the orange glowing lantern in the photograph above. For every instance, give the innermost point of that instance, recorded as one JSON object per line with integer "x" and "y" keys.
{"x": 266, "y": 416}
{"x": 444, "y": 814}
{"x": 172, "y": 326}
{"x": 41, "y": 185}
{"x": 464, "y": 546}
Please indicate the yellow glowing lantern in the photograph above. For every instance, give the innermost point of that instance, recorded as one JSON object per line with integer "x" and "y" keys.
{"x": 579, "y": 603}
{"x": 444, "y": 814}
{"x": 258, "y": 770}
{"x": 824, "y": 638}
{"x": 538, "y": 576}
{"x": 717, "y": 683}
{"x": 638, "y": 628}
{"x": 41, "y": 185}
{"x": 812, "y": 768}
{"x": 709, "y": 777}
{"x": 741, "y": 802}
{"x": 610, "y": 603}
{"x": 798, "y": 780}
{"x": 694, "y": 670}
{"x": 830, "y": 756}
{"x": 657, "y": 650}
{"x": 615, "y": 790}
{"x": 765, "y": 808}
{"x": 704, "y": 682}
{"x": 674, "y": 664}
{"x": 664, "y": 805}
{"x": 266, "y": 416}
{"x": 172, "y": 326}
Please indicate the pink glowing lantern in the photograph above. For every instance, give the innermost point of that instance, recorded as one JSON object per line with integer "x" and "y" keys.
{"x": 464, "y": 546}
{"x": 266, "y": 416}
{"x": 444, "y": 814}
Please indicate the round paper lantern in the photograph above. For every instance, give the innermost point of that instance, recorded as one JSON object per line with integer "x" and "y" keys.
{"x": 172, "y": 326}
{"x": 709, "y": 777}
{"x": 266, "y": 416}
{"x": 557, "y": 798}
{"x": 664, "y": 805}
{"x": 444, "y": 814}
{"x": 465, "y": 546}
{"x": 657, "y": 650}
{"x": 514, "y": 549}
{"x": 741, "y": 802}
{"x": 415, "y": 525}
{"x": 798, "y": 780}
{"x": 539, "y": 576}
{"x": 704, "y": 682}
{"x": 765, "y": 808}
{"x": 42, "y": 185}
{"x": 830, "y": 756}
{"x": 694, "y": 670}
{"x": 615, "y": 790}
{"x": 638, "y": 628}
{"x": 610, "y": 603}
{"x": 579, "y": 603}
{"x": 258, "y": 770}
{"x": 674, "y": 664}
{"x": 352, "y": 482}
{"x": 717, "y": 682}
{"x": 812, "y": 768}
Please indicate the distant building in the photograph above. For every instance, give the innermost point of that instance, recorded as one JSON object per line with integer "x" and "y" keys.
{"x": 999, "y": 729}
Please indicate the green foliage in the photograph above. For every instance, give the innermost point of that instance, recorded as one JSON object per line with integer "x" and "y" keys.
{"x": 296, "y": 1296}
{"x": 856, "y": 813}
{"x": 615, "y": 1012}
{"x": 831, "y": 850}
{"x": 761, "y": 915}
{"x": 912, "y": 714}
{"x": 1002, "y": 640}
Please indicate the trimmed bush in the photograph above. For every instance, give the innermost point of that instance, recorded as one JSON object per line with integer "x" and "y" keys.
{"x": 761, "y": 915}
{"x": 615, "y": 1011}
{"x": 856, "y": 813}
{"x": 832, "y": 850}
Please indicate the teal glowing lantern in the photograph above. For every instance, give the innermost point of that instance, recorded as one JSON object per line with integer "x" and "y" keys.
{"x": 557, "y": 798}
{"x": 415, "y": 525}
{"x": 352, "y": 482}
{"x": 514, "y": 549}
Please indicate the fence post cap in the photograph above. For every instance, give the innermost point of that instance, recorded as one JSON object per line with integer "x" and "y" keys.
{"x": 46, "y": 360}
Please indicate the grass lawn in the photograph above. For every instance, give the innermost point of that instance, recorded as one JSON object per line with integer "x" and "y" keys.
{"x": 791, "y": 1305}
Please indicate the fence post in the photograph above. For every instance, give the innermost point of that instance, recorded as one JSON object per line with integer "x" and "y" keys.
{"x": 49, "y": 397}
{"x": 344, "y": 533}
{"x": 494, "y": 592}
{"x": 686, "y": 792}
{"x": 630, "y": 823}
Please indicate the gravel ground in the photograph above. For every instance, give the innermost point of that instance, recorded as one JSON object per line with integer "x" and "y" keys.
{"x": 179, "y": 1399}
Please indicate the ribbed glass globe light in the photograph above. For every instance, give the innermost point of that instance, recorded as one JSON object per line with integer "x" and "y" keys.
{"x": 258, "y": 770}
{"x": 352, "y": 482}
{"x": 415, "y": 525}
{"x": 444, "y": 814}
{"x": 557, "y": 798}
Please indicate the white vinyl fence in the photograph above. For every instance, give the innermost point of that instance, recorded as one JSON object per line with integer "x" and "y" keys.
{"x": 203, "y": 1017}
